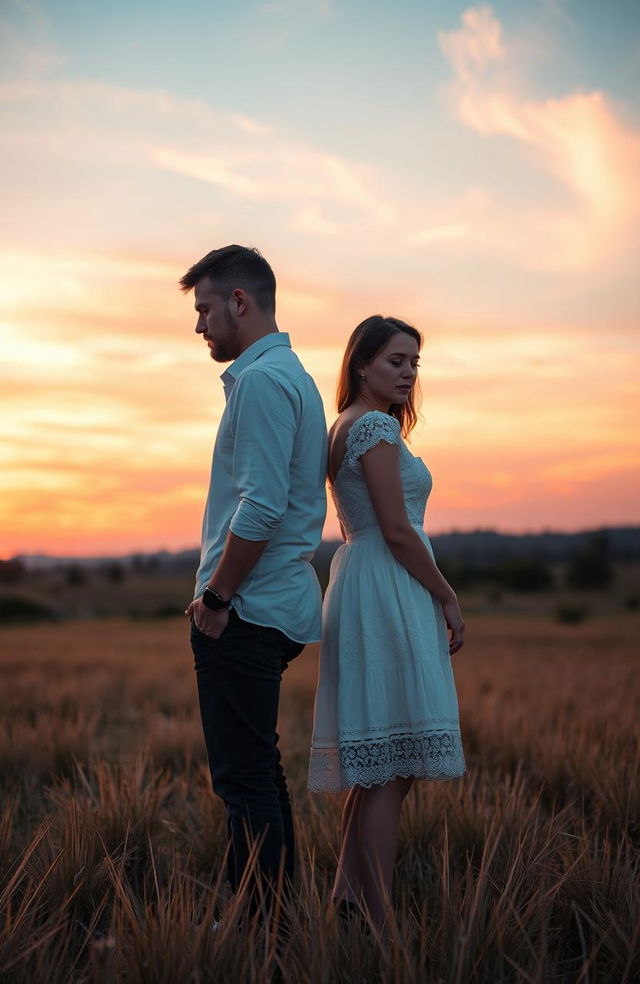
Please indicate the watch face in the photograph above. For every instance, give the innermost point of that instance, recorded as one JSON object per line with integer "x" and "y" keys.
{"x": 213, "y": 600}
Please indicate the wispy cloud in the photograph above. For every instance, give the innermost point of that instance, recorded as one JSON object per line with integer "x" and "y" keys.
{"x": 89, "y": 122}
{"x": 559, "y": 9}
{"x": 31, "y": 54}
{"x": 450, "y": 232}
{"x": 310, "y": 220}
{"x": 250, "y": 125}
{"x": 281, "y": 171}
{"x": 579, "y": 138}
{"x": 476, "y": 46}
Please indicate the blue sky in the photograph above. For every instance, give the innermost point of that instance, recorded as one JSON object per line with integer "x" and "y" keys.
{"x": 260, "y": 54}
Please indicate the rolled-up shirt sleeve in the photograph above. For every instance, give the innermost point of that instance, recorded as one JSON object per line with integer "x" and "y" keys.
{"x": 266, "y": 419}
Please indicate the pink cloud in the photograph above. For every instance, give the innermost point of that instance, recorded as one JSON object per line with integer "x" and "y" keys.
{"x": 579, "y": 138}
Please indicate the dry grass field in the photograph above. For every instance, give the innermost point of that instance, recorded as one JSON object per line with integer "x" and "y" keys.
{"x": 527, "y": 870}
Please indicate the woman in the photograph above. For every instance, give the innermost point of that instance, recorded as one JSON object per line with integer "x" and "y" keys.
{"x": 386, "y": 709}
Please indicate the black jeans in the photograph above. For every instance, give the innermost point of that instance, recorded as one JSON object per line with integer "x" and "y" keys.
{"x": 238, "y": 678}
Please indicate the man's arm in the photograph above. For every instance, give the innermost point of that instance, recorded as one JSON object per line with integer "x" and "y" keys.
{"x": 266, "y": 421}
{"x": 238, "y": 559}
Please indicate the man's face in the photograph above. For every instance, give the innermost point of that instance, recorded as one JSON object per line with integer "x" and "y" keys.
{"x": 216, "y": 323}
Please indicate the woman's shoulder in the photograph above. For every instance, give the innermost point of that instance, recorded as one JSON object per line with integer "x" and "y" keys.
{"x": 374, "y": 422}
{"x": 347, "y": 426}
{"x": 370, "y": 429}
{"x": 352, "y": 434}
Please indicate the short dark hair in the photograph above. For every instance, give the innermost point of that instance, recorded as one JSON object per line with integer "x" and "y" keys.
{"x": 369, "y": 338}
{"x": 236, "y": 266}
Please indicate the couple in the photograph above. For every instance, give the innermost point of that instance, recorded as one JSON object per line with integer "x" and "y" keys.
{"x": 386, "y": 709}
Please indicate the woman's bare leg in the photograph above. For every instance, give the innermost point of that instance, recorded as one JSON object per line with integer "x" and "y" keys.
{"x": 377, "y": 841}
{"x": 348, "y": 883}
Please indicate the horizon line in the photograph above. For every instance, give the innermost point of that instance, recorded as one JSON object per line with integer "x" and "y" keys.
{"x": 545, "y": 531}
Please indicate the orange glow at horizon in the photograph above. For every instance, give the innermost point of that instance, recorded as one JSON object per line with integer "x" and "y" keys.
{"x": 109, "y": 423}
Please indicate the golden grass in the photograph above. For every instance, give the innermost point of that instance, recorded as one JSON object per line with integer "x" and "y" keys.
{"x": 111, "y": 841}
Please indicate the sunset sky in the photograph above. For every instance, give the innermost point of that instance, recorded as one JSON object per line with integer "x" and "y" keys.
{"x": 474, "y": 169}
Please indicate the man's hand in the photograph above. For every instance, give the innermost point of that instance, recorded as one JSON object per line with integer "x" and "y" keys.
{"x": 209, "y": 622}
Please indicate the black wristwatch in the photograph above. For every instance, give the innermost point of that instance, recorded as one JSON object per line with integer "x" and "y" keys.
{"x": 211, "y": 599}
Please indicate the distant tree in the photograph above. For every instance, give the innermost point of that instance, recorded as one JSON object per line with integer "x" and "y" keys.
{"x": 114, "y": 572}
{"x": 571, "y": 614}
{"x": 76, "y": 575}
{"x": 144, "y": 563}
{"x": 16, "y": 608}
{"x": 11, "y": 571}
{"x": 526, "y": 574}
{"x": 590, "y": 568}
{"x": 460, "y": 574}
{"x": 168, "y": 610}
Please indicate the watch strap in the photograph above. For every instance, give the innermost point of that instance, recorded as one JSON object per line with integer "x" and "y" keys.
{"x": 213, "y": 600}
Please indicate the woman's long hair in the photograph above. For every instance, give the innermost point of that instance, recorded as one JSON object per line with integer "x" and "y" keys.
{"x": 367, "y": 340}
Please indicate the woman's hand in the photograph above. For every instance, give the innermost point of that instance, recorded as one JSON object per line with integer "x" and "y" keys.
{"x": 455, "y": 624}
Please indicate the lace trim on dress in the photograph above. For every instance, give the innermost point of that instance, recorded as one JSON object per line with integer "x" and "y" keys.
{"x": 368, "y": 431}
{"x": 429, "y": 755}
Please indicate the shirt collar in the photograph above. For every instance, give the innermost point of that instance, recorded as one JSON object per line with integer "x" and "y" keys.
{"x": 253, "y": 352}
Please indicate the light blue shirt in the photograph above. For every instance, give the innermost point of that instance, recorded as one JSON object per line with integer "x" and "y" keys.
{"x": 268, "y": 483}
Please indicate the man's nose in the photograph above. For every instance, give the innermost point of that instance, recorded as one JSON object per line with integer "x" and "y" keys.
{"x": 201, "y": 324}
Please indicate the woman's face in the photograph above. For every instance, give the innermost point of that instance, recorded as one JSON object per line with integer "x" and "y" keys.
{"x": 390, "y": 376}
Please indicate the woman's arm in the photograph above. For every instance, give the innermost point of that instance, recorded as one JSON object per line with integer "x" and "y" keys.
{"x": 381, "y": 469}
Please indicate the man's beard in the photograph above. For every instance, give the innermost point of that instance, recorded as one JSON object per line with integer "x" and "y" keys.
{"x": 227, "y": 353}
{"x": 218, "y": 353}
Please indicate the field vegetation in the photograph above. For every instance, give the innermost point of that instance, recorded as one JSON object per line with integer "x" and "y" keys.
{"x": 111, "y": 842}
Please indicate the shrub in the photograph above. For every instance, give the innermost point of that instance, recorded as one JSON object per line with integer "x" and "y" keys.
{"x": 168, "y": 610}
{"x": 590, "y": 567}
{"x": 571, "y": 614}
{"x": 11, "y": 571}
{"x": 76, "y": 576}
{"x": 114, "y": 572}
{"x": 524, "y": 575}
{"x": 25, "y": 608}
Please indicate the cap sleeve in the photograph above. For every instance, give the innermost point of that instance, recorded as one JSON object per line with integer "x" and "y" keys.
{"x": 369, "y": 430}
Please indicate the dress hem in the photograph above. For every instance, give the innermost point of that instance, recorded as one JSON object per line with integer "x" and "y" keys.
{"x": 435, "y": 754}
{"x": 341, "y": 788}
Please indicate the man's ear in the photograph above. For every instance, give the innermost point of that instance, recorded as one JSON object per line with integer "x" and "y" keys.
{"x": 239, "y": 301}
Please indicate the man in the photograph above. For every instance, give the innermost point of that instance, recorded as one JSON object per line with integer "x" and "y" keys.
{"x": 257, "y": 599}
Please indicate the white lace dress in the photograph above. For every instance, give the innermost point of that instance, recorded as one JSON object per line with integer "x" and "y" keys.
{"x": 386, "y": 703}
